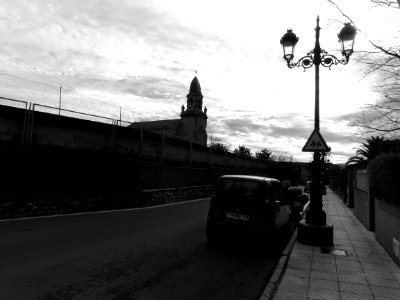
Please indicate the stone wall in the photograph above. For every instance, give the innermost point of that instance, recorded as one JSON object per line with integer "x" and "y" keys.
{"x": 179, "y": 194}
{"x": 56, "y": 182}
{"x": 364, "y": 206}
{"x": 30, "y": 130}
{"x": 45, "y": 203}
{"x": 387, "y": 229}
{"x": 54, "y": 164}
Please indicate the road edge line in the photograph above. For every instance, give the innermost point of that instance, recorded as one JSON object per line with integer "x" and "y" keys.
{"x": 105, "y": 211}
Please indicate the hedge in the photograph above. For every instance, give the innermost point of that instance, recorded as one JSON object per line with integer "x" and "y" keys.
{"x": 384, "y": 173}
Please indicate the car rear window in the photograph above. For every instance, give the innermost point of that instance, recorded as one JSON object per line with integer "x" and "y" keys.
{"x": 233, "y": 192}
{"x": 241, "y": 186}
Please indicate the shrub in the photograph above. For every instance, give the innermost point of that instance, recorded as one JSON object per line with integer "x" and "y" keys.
{"x": 385, "y": 177}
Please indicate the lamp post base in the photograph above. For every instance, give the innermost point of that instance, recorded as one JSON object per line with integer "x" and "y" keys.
{"x": 315, "y": 235}
{"x": 316, "y": 217}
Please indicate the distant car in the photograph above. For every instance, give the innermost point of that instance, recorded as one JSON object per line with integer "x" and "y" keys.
{"x": 307, "y": 187}
{"x": 246, "y": 206}
{"x": 297, "y": 199}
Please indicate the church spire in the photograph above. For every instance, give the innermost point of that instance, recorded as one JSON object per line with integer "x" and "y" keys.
{"x": 195, "y": 88}
{"x": 195, "y": 97}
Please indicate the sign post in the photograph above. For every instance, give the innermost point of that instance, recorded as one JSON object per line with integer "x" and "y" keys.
{"x": 315, "y": 230}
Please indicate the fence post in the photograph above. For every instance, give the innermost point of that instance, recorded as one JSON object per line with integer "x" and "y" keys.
{"x": 162, "y": 147}
{"x": 30, "y": 127}
{"x": 191, "y": 154}
{"x": 59, "y": 105}
{"x": 225, "y": 158}
{"x": 141, "y": 144}
{"x": 113, "y": 136}
{"x": 25, "y": 125}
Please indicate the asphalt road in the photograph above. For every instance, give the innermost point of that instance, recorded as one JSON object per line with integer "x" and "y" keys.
{"x": 153, "y": 253}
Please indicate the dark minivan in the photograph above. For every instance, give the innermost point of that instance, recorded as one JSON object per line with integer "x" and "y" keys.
{"x": 246, "y": 205}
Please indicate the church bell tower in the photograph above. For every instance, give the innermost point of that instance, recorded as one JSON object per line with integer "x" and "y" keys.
{"x": 194, "y": 118}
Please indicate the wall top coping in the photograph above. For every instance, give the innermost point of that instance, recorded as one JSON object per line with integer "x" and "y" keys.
{"x": 177, "y": 188}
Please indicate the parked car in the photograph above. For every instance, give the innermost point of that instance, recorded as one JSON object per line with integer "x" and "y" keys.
{"x": 246, "y": 206}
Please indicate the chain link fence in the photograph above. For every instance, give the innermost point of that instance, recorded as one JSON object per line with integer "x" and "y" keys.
{"x": 18, "y": 92}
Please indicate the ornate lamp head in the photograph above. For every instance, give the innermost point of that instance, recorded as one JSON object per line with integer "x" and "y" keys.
{"x": 288, "y": 42}
{"x": 346, "y": 38}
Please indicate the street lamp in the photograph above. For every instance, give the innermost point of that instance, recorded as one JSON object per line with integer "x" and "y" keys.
{"x": 314, "y": 230}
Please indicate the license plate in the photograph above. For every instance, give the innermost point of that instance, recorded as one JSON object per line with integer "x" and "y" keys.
{"x": 230, "y": 215}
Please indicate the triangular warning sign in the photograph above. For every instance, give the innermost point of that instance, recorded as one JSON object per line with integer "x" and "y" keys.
{"x": 316, "y": 143}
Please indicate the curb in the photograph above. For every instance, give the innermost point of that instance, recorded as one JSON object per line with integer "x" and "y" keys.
{"x": 280, "y": 268}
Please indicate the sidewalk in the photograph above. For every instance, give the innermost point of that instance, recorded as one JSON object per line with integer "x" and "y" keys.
{"x": 367, "y": 272}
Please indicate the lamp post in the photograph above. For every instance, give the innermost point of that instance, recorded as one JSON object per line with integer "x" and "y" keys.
{"x": 314, "y": 230}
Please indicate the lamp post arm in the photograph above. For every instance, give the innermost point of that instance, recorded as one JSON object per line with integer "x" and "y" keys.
{"x": 326, "y": 60}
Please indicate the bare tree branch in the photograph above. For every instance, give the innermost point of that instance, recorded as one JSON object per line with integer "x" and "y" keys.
{"x": 389, "y": 3}
{"x": 344, "y": 15}
{"x": 384, "y": 63}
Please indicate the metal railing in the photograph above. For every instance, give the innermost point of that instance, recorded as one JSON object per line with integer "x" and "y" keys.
{"x": 13, "y": 103}
{"x": 18, "y": 92}
{"x": 73, "y": 114}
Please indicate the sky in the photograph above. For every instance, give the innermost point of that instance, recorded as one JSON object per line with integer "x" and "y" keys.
{"x": 141, "y": 55}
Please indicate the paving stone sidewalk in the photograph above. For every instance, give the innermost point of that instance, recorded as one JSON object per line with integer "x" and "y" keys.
{"x": 366, "y": 272}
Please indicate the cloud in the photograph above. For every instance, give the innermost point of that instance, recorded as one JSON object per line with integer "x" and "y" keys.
{"x": 291, "y": 131}
{"x": 155, "y": 88}
{"x": 350, "y": 117}
{"x": 242, "y": 126}
{"x": 335, "y": 137}
{"x": 140, "y": 21}
{"x": 107, "y": 38}
{"x": 343, "y": 153}
{"x": 151, "y": 87}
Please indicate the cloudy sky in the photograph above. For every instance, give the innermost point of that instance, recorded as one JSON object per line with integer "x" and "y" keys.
{"x": 141, "y": 55}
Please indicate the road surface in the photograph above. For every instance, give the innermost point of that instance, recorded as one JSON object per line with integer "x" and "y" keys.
{"x": 152, "y": 253}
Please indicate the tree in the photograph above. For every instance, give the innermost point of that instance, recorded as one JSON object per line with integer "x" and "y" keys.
{"x": 282, "y": 157}
{"x": 243, "y": 151}
{"x": 371, "y": 148}
{"x": 383, "y": 117}
{"x": 264, "y": 154}
{"x": 218, "y": 144}
{"x": 390, "y": 3}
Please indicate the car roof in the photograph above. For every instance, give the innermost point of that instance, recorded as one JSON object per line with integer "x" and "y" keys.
{"x": 249, "y": 177}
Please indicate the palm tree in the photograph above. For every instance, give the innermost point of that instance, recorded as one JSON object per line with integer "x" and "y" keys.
{"x": 371, "y": 148}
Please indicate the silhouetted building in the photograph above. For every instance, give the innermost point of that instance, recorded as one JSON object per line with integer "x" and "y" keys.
{"x": 192, "y": 124}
